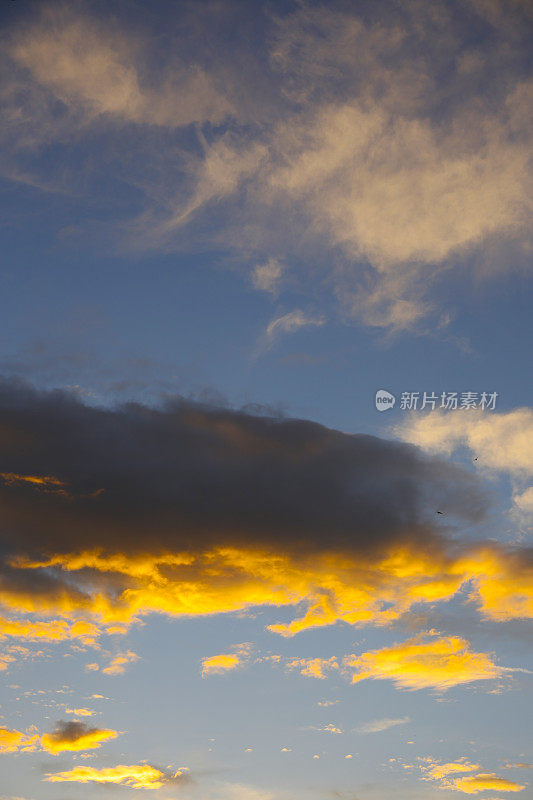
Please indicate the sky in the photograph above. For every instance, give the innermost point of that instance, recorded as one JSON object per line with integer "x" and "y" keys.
{"x": 266, "y": 434}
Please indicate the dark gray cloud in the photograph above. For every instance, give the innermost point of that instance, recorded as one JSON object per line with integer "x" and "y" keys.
{"x": 189, "y": 476}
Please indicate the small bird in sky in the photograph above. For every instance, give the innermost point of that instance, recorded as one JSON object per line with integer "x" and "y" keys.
{"x": 440, "y": 512}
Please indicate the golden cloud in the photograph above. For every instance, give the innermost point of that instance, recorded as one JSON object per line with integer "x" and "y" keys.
{"x": 425, "y": 662}
{"x": 468, "y": 784}
{"x": 75, "y": 736}
{"x": 79, "y": 712}
{"x": 313, "y": 667}
{"x": 13, "y": 741}
{"x": 333, "y": 586}
{"x": 119, "y": 663}
{"x": 330, "y": 541}
{"x": 225, "y": 662}
{"x": 137, "y": 776}
{"x": 484, "y": 782}
{"x": 220, "y": 663}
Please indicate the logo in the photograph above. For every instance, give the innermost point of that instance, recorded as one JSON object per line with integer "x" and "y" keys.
{"x": 384, "y": 400}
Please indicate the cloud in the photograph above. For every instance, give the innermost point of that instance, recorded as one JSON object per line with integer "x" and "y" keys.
{"x": 445, "y": 774}
{"x": 378, "y": 725}
{"x": 524, "y": 500}
{"x": 225, "y": 662}
{"x": 402, "y": 174}
{"x": 484, "y": 782}
{"x": 267, "y": 276}
{"x": 137, "y": 776}
{"x": 288, "y": 323}
{"x": 120, "y": 662}
{"x": 425, "y": 662}
{"x": 290, "y": 513}
{"x": 501, "y": 441}
{"x": 80, "y": 712}
{"x": 13, "y": 741}
{"x": 215, "y": 665}
{"x": 336, "y": 140}
{"x": 75, "y": 736}
{"x": 314, "y": 667}
{"x": 95, "y": 67}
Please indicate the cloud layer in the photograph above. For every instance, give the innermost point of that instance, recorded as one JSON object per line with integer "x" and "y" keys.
{"x": 192, "y": 510}
{"x": 380, "y": 186}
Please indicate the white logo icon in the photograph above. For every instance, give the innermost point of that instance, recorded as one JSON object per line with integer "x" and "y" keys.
{"x": 384, "y": 400}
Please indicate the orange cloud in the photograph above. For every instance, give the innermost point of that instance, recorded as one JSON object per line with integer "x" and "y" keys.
{"x": 220, "y": 663}
{"x": 334, "y": 586}
{"x": 12, "y": 741}
{"x": 38, "y": 481}
{"x": 468, "y": 784}
{"x": 437, "y": 771}
{"x": 75, "y": 736}
{"x": 137, "y": 776}
{"x": 224, "y": 662}
{"x": 51, "y": 630}
{"x": 314, "y": 667}
{"x": 473, "y": 784}
{"x": 80, "y": 712}
{"x": 425, "y": 662}
{"x": 119, "y": 663}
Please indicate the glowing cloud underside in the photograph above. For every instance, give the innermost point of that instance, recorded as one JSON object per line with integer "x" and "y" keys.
{"x": 137, "y": 776}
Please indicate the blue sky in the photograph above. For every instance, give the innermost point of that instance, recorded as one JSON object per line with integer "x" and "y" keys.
{"x": 248, "y": 218}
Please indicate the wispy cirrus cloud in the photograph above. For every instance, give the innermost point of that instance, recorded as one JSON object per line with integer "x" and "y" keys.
{"x": 380, "y": 186}
{"x": 288, "y": 323}
{"x": 379, "y": 725}
{"x": 425, "y": 662}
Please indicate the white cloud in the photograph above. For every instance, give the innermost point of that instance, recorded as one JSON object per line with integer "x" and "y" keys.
{"x": 96, "y": 68}
{"x": 384, "y": 164}
{"x": 378, "y": 725}
{"x": 502, "y": 442}
{"x": 288, "y": 323}
{"x": 266, "y": 277}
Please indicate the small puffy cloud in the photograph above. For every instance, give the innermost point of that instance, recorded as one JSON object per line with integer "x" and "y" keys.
{"x": 288, "y": 323}
{"x": 378, "y": 725}
{"x": 75, "y": 736}
{"x": 136, "y": 776}
{"x": 484, "y": 782}
{"x": 426, "y": 661}
{"x": 266, "y": 277}
{"x": 13, "y": 741}
{"x": 435, "y": 771}
{"x": 329, "y": 728}
{"x": 225, "y": 662}
{"x": 120, "y": 662}
{"x": 314, "y": 667}
{"x": 445, "y": 774}
{"x": 79, "y": 712}
{"x": 524, "y": 500}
